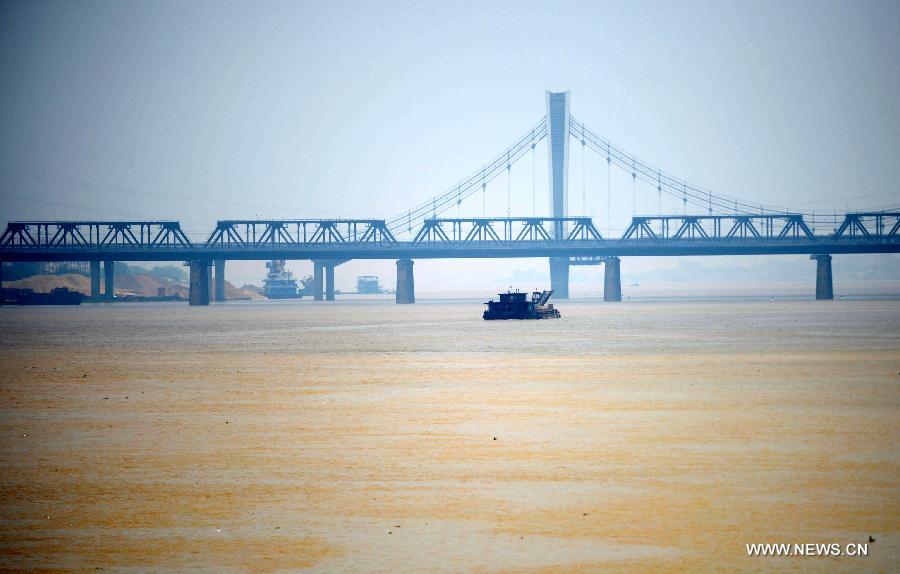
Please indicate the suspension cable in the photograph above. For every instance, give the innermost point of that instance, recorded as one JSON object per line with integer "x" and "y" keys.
{"x": 641, "y": 170}
{"x": 464, "y": 189}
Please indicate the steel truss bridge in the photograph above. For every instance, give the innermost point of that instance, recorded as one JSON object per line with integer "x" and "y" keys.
{"x": 719, "y": 226}
{"x": 451, "y": 237}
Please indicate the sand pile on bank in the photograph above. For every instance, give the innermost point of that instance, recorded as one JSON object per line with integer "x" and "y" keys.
{"x": 140, "y": 284}
{"x": 246, "y": 292}
{"x": 46, "y": 283}
{"x": 251, "y": 291}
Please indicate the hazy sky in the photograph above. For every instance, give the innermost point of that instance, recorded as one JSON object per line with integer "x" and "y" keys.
{"x": 200, "y": 111}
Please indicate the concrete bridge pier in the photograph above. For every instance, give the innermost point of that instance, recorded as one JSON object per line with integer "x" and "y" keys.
{"x": 109, "y": 276}
{"x": 318, "y": 281}
{"x": 559, "y": 277}
{"x": 219, "y": 292}
{"x": 95, "y": 279}
{"x": 406, "y": 285}
{"x": 329, "y": 281}
{"x": 323, "y": 279}
{"x": 824, "y": 290}
{"x": 612, "y": 279}
{"x": 199, "y": 293}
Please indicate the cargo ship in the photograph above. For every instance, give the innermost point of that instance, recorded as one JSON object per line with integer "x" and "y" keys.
{"x": 516, "y": 305}
{"x": 58, "y": 296}
{"x": 279, "y": 282}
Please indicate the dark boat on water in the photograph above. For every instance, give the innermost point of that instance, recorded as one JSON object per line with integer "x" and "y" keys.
{"x": 516, "y": 305}
{"x": 59, "y": 296}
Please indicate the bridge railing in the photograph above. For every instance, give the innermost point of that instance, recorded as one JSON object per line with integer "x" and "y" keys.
{"x": 286, "y": 232}
{"x": 94, "y": 234}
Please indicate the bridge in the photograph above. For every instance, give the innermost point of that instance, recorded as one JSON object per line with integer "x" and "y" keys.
{"x": 718, "y": 225}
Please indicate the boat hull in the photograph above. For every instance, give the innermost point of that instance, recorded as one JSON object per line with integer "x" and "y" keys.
{"x": 494, "y": 316}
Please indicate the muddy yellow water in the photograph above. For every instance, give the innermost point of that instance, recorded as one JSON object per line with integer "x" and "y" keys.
{"x": 371, "y": 437}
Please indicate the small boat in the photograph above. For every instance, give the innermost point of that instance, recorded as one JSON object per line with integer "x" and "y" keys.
{"x": 516, "y": 305}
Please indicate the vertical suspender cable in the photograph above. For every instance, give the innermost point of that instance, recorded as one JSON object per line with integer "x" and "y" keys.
{"x": 658, "y": 192}
{"x": 508, "y": 184}
{"x": 533, "y": 195}
{"x": 608, "y": 190}
{"x": 633, "y": 189}
{"x": 583, "y": 178}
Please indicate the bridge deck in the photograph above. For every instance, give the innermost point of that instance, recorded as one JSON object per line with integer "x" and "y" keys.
{"x": 457, "y": 249}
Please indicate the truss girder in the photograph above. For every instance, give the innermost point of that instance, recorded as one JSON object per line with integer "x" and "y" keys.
{"x": 583, "y": 230}
{"x": 431, "y": 232}
{"x": 91, "y": 234}
{"x": 718, "y": 227}
{"x": 98, "y": 235}
{"x": 291, "y": 232}
{"x": 869, "y": 225}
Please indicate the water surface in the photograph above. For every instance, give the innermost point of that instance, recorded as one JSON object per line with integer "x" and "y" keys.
{"x": 368, "y": 436}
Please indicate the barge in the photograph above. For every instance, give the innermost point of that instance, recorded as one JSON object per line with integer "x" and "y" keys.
{"x": 517, "y": 305}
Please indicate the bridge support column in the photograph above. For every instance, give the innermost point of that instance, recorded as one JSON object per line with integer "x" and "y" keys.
{"x": 95, "y": 280}
{"x": 329, "y": 282}
{"x": 109, "y": 283}
{"x": 406, "y": 286}
{"x": 558, "y": 155}
{"x": 612, "y": 279}
{"x": 199, "y": 293}
{"x": 824, "y": 288}
{"x": 317, "y": 281}
{"x": 219, "y": 292}
{"x": 559, "y": 277}
{"x": 1, "y": 283}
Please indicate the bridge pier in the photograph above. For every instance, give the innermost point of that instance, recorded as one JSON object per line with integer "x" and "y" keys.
{"x": 199, "y": 289}
{"x": 612, "y": 279}
{"x": 95, "y": 279}
{"x": 323, "y": 279}
{"x": 559, "y": 277}
{"x": 406, "y": 287}
{"x": 109, "y": 283}
{"x": 329, "y": 281}
{"x": 824, "y": 290}
{"x": 219, "y": 292}
{"x": 318, "y": 281}
{"x": 1, "y": 283}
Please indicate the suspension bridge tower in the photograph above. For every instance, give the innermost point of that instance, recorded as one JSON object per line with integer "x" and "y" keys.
{"x": 558, "y": 151}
